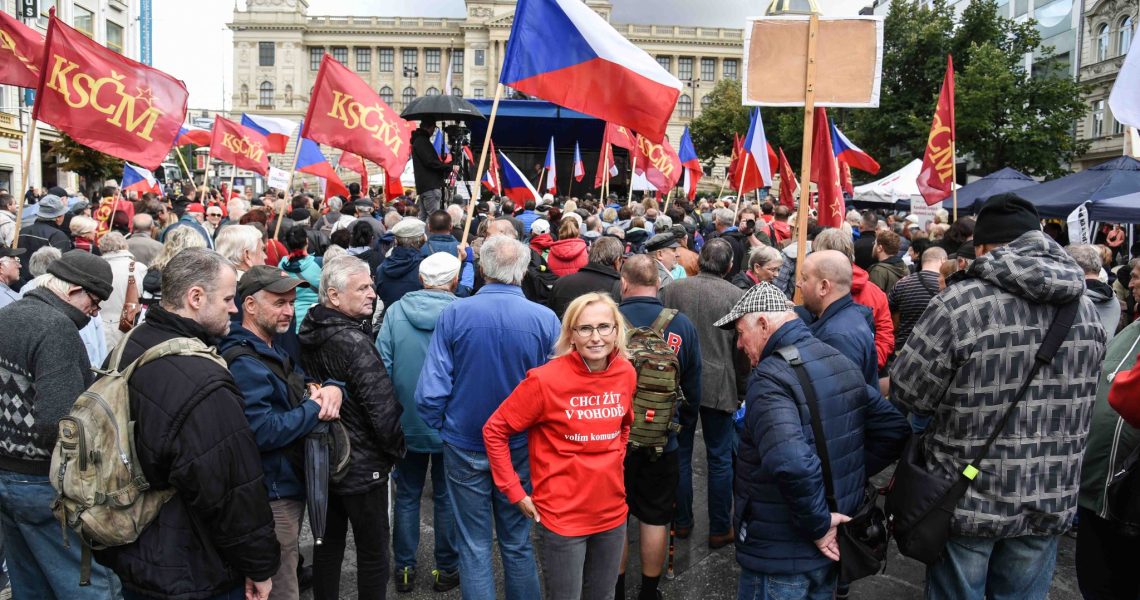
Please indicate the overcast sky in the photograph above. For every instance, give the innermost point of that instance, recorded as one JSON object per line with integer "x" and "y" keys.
{"x": 195, "y": 46}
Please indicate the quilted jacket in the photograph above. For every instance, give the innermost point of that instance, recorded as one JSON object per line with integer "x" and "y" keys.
{"x": 963, "y": 363}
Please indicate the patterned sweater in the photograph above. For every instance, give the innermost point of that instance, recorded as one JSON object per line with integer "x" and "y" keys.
{"x": 963, "y": 363}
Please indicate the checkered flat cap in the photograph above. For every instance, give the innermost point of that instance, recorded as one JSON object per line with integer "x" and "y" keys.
{"x": 761, "y": 298}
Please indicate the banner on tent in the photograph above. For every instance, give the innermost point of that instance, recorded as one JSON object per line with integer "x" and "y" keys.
{"x": 924, "y": 212}
{"x": 1079, "y": 230}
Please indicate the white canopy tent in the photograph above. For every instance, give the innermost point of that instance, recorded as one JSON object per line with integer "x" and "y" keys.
{"x": 900, "y": 185}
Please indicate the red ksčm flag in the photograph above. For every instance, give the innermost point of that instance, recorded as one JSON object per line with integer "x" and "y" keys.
{"x": 936, "y": 179}
{"x": 658, "y": 162}
{"x": 240, "y": 146}
{"x": 605, "y": 161}
{"x": 354, "y": 163}
{"x": 392, "y": 185}
{"x": 826, "y": 174}
{"x": 734, "y": 163}
{"x": 107, "y": 101}
{"x": 788, "y": 183}
{"x": 346, "y": 113}
{"x": 621, "y": 137}
{"x": 845, "y": 176}
{"x": 21, "y": 52}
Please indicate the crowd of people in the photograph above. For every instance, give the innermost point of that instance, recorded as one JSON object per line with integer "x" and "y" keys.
{"x": 514, "y": 368}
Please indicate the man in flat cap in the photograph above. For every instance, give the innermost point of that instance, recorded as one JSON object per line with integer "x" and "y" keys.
{"x": 663, "y": 248}
{"x": 9, "y": 274}
{"x": 400, "y": 271}
{"x": 785, "y": 529}
{"x": 46, "y": 231}
{"x": 45, "y": 367}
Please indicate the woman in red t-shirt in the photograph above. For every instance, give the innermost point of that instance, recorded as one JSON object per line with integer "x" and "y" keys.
{"x": 576, "y": 412}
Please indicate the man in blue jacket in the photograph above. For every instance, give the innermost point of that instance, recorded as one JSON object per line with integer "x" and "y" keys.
{"x": 785, "y": 533}
{"x": 403, "y": 344}
{"x": 273, "y": 389}
{"x": 481, "y": 349}
{"x": 400, "y": 271}
{"x": 651, "y": 481}
{"x": 832, "y": 315}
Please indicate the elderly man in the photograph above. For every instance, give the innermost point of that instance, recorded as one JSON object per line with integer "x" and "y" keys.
{"x": 663, "y": 248}
{"x": 280, "y": 410}
{"x": 1101, "y": 294}
{"x": 403, "y": 344}
{"x": 481, "y": 349}
{"x": 400, "y": 271}
{"x": 723, "y": 221}
{"x": 863, "y": 292}
{"x": 704, "y": 299}
{"x": 141, "y": 241}
{"x": 192, "y": 436}
{"x": 832, "y": 315}
{"x": 787, "y": 531}
{"x": 46, "y": 231}
{"x": 963, "y": 363}
{"x": 46, "y": 368}
{"x": 9, "y": 274}
{"x": 244, "y": 246}
{"x": 336, "y": 344}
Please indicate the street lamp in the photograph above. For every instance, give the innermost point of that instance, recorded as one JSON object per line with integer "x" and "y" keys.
{"x": 410, "y": 73}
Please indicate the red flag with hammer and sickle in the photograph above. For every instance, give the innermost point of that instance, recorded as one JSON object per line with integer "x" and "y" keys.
{"x": 658, "y": 162}
{"x": 936, "y": 179}
{"x": 21, "y": 52}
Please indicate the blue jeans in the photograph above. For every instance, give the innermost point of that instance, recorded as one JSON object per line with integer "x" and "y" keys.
{"x": 478, "y": 504}
{"x": 994, "y": 568}
{"x": 719, "y": 446}
{"x": 813, "y": 585}
{"x": 410, "y": 474}
{"x": 39, "y": 564}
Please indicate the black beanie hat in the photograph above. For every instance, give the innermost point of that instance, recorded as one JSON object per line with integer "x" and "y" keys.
{"x": 1003, "y": 218}
{"x": 86, "y": 270}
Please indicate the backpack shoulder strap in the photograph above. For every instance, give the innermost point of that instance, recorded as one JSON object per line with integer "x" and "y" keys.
{"x": 234, "y": 352}
{"x": 179, "y": 346}
{"x": 664, "y": 318}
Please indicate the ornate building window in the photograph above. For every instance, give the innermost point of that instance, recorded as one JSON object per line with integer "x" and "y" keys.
{"x": 706, "y": 101}
{"x": 386, "y": 95}
{"x": 457, "y": 92}
{"x": 265, "y": 54}
{"x": 666, "y": 63}
{"x": 408, "y": 95}
{"x": 387, "y": 60}
{"x": 341, "y": 55}
{"x": 457, "y": 62}
{"x": 315, "y": 55}
{"x": 730, "y": 68}
{"x": 432, "y": 91}
{"x": 364, "y": 59}
{"x": 265, "y": 95}
{"x": 1125, "y": 35}
{"x": 411, "y": 58}
{"x": 1102, "y": 42}
{"x": 1098, "y": 118}
{"x": 685, "y": 68}
{"x": 431, "y": 60}
{"x": 685, "y": 107}
{"x": 480, "y": 58}
{"x": 708, "y": 69}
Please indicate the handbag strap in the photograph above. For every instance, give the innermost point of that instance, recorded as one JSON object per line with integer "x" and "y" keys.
{"x": 792, "y": 355}
{"x": 1054, "y": 337}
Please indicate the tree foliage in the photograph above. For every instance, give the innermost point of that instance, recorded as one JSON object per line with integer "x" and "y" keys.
{"x": 92, "y": 166}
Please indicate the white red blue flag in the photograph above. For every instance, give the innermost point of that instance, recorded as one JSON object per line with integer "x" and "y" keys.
{"x": 564, "y": 52}
{"x": 850, "y": 153}
{"x": 311, "y": 160}
{"x": 441, "y": 146}
{"x": 275, "y": 129}
{"x": 579, "y": 168}
{"x": 693, "y": 170}
{"x": 756, "y": 145}
{"x": 138, "y": 179}
{"x": 190, "y": 134}
{"x": 515, "y": 185}
{"x": 551, "y": 169}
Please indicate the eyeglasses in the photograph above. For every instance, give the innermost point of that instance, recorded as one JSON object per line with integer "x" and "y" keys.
{"x": 587, "y": 331}
{"x": 213, "y": 214}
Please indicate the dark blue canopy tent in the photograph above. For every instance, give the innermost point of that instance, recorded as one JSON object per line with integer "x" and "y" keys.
{"x": 1112, "y": 181}
{"x": 971, "y": 195}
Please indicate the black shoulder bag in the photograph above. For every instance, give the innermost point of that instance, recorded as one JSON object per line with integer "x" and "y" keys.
{"x": 862, "y": 540}
{"x": 920, "y": 504}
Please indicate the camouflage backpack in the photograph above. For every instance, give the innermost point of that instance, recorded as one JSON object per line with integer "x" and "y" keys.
{"x": 658, "y": 384}
{"x": 102, "y": 493}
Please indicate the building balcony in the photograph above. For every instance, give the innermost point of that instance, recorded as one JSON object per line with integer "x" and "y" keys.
{"x": 680, "y": 32}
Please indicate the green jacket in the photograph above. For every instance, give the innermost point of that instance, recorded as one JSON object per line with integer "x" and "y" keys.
{"x": 1111, "y": 440}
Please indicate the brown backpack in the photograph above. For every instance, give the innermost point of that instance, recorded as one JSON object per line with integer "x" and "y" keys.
{"x": 658, "y": 392}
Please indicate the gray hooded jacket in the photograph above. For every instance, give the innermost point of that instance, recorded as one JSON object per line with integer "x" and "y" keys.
{"x": 963, "y": 364}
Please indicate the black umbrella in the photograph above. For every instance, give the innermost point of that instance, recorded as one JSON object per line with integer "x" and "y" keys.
{"x": 317, "y": 478}
{"x": 442, "y": 107}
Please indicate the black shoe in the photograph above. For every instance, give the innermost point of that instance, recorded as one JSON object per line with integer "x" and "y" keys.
{"x": 405, "y": 579}
{"x": 445, "y": 581}
{"x": 304, "y": 575}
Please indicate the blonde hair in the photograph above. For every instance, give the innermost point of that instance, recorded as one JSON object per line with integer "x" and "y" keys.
{"x": 81, "y": 225}
{"x": 177, "y": 240}
{"x": 570, "y": 320}
{"x": 568, "y": 229}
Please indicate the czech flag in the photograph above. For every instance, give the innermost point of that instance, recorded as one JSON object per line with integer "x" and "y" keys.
{"x": 756, "y": 145}
{"x": 515, "y": 185}
{"x": 491, "y": 179}
{"x": 190, "y": 134}
{"x": 579, "y": 168}
{"x": 693, "y": 171}
{"x": 850, "y": 153}
{"x": 560, "y": 49}
{"x": 551, "y": 169}
{"x": 441, "y": 148}
{"x": 312, "y": 161}
{"x": 275, "y": 129}
{"x": 139, "y": 180}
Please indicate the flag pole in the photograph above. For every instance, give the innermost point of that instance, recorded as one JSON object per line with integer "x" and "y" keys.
{"x": 542, "y": 180}
{"x": 29, "y": 141}
{"x": 605, "y": 171}
{"x": 954, "y": 175}
{"x": 632, "y": 172}
{"x": 740, "y": 188}
{"x": 482, "y": 159}
{"x": 185, "y": 169}
{"x": 809, "y": 130}
{"x": 723, "y": 182}
{"x": 230, "y": 189}
{"x": 288, "y": 187}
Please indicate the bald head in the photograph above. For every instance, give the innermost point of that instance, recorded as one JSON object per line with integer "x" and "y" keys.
{"x": 502, "y": 227}
{"x": 833, "y": 266}
{"x": 932, "y": 258}
{"x": 143, "y": 222}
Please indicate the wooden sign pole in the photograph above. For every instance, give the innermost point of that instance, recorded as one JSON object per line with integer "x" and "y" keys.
{"x": 805, "y": 168}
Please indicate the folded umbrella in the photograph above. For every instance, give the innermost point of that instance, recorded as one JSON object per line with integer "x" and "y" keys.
{"x": 317, "y": 478}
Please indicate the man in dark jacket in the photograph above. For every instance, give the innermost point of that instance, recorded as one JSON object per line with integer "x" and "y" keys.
{"x": 279, "y": 410}
{"x": 400, "y": 271}
{"x": 723, "y": 220}
{"x": 191, "y": 435}
{"x": 44, "y": 368}
{"x": 599, "y": 275}
{"x": 963, "y": 363}
{"x": 704, "y": 299}
{"x": 440, "y": 238}
{"x": 786, "y": 533}
{"x": 832, "y": 315}
{"x": 651, "y": 481}
{"x": 864, "y": 245}
{"x": 431, "y": 172}
{"x": 45, "y": 231}
{"x": 890, "y": 268}
{"x": 336, "y": 344}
